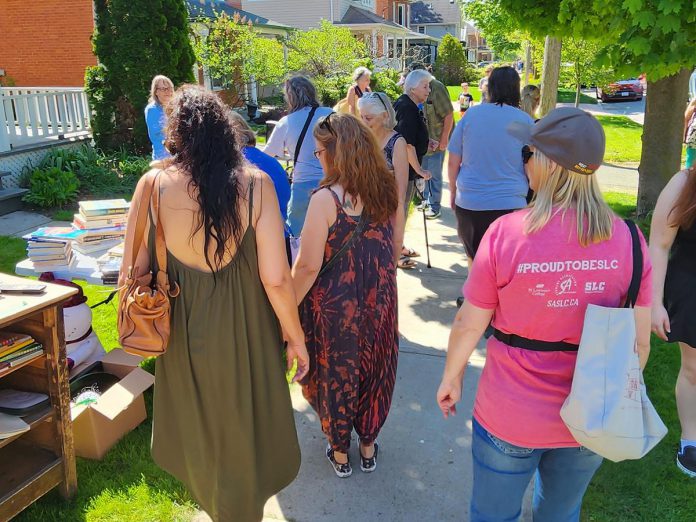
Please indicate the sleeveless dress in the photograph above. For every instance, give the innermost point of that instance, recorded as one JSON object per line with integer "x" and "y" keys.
{"x": 680, "y": 287}
{"x": 349, "y": 320}
{"x": 223, "y": 422}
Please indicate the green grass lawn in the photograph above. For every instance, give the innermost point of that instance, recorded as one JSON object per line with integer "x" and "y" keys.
{"x": 623, "y": 139}
{"x": 128, "y": 487}
{"x": 650, "y": 489}
{"x": 564, "y": 95}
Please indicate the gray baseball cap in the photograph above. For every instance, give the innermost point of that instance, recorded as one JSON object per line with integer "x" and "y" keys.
{"x": 571, "y": 137}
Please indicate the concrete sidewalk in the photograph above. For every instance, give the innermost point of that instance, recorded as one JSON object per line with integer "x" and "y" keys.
{"x": 424, "y": 470}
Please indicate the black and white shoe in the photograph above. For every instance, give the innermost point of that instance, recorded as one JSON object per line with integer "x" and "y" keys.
{"x": 369, "y": 465}
{"x": 342, "y": 470}
{"x": 686, "y": 460}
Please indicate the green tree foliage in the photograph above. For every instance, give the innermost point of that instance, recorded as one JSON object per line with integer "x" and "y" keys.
{"x": 134, "y": 41}
{"x": 656, "y": 37}
{"x": 232, "y": 51}
{"x": 580, "y": 65}
{"x": 451, "y": 66}
{"x": 502, "y": 32}
{"x": 328, "y": 55}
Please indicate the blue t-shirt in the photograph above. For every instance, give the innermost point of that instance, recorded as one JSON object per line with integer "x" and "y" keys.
{"x": 156, "y": 122}
{"x": 491, "y": 176}
{"x": 275, "y": 170}
{"x": 285, "y": 136}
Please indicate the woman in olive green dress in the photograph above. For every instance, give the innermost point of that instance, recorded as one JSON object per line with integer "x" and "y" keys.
{"x": 223, "y": 422}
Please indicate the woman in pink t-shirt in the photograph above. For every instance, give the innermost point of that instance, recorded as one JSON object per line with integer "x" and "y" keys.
{"x": 535, "y": 272}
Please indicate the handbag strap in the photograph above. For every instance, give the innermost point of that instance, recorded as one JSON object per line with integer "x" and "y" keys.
{"x": 141, "y": 221}
{"x": 634, "y": 287}
{"x": 357, "y": 230}
{"x": 160, "y": 245}
{"x": 300, "y": 140}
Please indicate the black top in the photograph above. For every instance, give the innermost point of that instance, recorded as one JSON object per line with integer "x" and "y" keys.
{"x": 683, "y": 254}
{"x": 410, "y": 123}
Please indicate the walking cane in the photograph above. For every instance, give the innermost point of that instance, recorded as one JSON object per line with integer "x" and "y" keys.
{"x": 425, "y": 222}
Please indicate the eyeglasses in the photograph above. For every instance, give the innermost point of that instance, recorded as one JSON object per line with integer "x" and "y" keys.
{"x": 318, "y": 152}
{"x": 166, "y": 88}
{"x": 527, "y": 154}
{"x": 326, "y": 124}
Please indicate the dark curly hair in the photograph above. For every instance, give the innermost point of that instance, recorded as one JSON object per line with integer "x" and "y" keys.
{"x": 202, "y": 139}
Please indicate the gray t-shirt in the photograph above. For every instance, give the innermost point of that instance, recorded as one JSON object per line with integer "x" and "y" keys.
{"x": 284, "y": 138}
{"x": 491, "y": 176}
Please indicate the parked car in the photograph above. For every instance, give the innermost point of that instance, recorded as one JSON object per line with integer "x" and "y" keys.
{"x": 630, "y": 89}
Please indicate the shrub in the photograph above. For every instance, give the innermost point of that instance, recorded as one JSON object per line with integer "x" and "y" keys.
{"x": 52, "y": 187}
{"x": 134, "y": 40}
{"x": 386, "y": 81}
{"x": 451, "y": 66}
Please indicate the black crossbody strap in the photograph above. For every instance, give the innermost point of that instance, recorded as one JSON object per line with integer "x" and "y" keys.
{"x": 356, "y": 231}
{"x": 300, "y": 140}
{"x": 634, "y": 287}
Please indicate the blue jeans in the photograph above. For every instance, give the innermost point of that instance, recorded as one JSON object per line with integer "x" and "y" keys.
{"x": 502, "y": 472}
{"x": 433, "y": 188}
{"x": 300, "y": 193}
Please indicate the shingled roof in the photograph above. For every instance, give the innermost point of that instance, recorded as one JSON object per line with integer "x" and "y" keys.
{"x": 210, "y": 9}
{"x": 355, "y": 15}
{"x": 423, "y": 13}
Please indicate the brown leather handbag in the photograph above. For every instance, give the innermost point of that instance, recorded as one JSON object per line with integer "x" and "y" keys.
{"x": 144, "y": 307}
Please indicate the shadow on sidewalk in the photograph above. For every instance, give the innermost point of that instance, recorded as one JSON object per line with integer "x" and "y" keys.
{"x": 424, "y": 470}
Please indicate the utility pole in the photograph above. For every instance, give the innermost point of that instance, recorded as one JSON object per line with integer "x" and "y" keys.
{"x": 550, "y": 74}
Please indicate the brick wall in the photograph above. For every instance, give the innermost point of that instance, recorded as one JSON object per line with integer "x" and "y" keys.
{"x": 46, "y": 43}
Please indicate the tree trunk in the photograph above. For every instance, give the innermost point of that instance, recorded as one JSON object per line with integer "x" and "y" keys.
{"x": 578, "y": 83}
{"x": 527, "y": 62}
{"x": 550, "y": 73}
{"x": 660, "y": 158}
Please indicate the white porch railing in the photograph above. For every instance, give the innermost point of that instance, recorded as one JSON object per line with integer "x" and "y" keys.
{"x": 34, "y": 115}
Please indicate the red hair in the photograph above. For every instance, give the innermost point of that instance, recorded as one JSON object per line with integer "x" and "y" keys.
{"x": 684, "y": 212}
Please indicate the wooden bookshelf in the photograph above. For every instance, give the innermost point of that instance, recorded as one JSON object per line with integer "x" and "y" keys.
{"x": 29, "y": 468}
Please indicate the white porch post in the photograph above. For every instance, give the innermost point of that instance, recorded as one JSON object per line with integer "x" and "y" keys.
{"x": 4, "y": 122}
{"x": 404, "y": 50}
{"x": 375, "y": 49}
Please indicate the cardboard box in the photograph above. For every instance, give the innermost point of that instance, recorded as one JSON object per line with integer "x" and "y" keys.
{"x": 100, "y": 425}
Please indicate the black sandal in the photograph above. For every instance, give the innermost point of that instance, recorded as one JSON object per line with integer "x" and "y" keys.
{"x": 368, "y": 465}
{"x": 341, "y": 470}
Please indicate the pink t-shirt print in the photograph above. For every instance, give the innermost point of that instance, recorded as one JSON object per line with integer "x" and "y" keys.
{"x": 540, "y": 285}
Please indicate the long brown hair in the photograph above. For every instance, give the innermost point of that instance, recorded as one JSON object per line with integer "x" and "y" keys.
{"x": 684, "y": 212}
{"x": 357, "y": 163}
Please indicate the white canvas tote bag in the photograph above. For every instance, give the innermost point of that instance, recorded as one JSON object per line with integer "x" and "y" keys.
{"x": 608, "y": 410}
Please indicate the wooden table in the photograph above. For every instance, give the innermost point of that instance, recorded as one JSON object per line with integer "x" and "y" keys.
{"x": 29, "y": 469}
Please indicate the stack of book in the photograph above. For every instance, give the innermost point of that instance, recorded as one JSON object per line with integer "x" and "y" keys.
{"x": 16, "y": 348}
{"x": 110, "y": 263}
{"x": 102, "y": 223}
{"x": 49, "y": 250}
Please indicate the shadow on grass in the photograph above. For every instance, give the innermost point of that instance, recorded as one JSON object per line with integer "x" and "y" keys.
{"x": 127, "y": 486}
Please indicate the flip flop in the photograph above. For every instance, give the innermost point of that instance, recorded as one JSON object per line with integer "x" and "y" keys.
{"x": 409, "y": 252}
{"x": 406, "y": 264}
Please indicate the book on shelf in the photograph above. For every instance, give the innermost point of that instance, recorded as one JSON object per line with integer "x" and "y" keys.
{"x": 41, "y": 246}
{"x": 34, "y": 256}
{"x": 84, "y": 223}
{"x": 103, "y": 207}
{"x": 9, "y": 339}
{"x": 104, "y": 236}
{"x": 9, "y": 350}
{"x": 21, "y": 354}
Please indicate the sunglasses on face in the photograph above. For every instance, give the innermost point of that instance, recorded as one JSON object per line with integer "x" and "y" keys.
{"x": 527, "y": 154}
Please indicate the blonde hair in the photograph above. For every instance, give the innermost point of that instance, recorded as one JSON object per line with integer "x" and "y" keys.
{"x": 560, "y": 190}
{"x": 376, "y": 103}
{"x": 529, "y": 99}
{"x": 364, "y": 175}
{"x": 153, "y": 87}
{"x": 245, "y": 135}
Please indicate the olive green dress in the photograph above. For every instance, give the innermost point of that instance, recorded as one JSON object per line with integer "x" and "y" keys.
{"x": 223, "y": 422}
